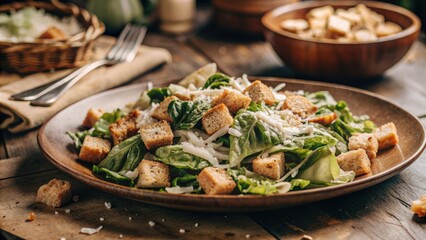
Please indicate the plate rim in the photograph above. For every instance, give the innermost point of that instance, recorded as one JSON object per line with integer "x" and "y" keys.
{"x": 113, "y": 188}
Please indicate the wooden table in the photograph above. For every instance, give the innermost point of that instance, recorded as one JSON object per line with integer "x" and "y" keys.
{"x": 379, "y": 212}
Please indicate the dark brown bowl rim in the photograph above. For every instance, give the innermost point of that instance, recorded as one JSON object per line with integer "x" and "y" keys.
{"x": 412, "y": 29}
{"x": 160, "y": 196}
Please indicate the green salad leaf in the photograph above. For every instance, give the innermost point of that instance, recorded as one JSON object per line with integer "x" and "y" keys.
{"x": 175, "y": 156}
{"x": 125, "y": 156}
{"x": 100, "y": 129}
{"x": 322, "y": 169}
{"x": 185, "y": 181}
{"x": 157, "y": 95}
{"x": 116, "y": 177}
{"x": 252, "y": 183}
{"x": 321, "y": 98}
{"x": 256, "y": 136}
{"x": 299, "y": 184}
{"x": 186, "y": 114}
{"x": 347, "y": 124}
{"x": 217, "y": 80}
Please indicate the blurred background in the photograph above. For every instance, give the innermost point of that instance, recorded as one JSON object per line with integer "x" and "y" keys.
{"x": 115, "y": 13}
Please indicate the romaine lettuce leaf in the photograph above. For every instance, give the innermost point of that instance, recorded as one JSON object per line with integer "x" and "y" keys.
{"x": 175, "y": 156}
{"x": 299, "y": 184}
{"x": 322, "y": 169}
{"x": 252, "y": 183}
{"x": 256, "y": 136}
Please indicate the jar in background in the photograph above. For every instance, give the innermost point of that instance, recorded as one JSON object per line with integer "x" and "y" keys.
{"x": 176, "y": 16}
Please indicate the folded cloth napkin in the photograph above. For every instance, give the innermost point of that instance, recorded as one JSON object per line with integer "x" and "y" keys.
{"x": 19, "y": 116}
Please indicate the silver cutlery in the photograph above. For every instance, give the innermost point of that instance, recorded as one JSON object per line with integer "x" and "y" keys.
{"x": 124, "y": 50}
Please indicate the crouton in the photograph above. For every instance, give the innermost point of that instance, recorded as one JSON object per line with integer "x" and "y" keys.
{"x": 160, "y": 113}
{"x": 338, "y": 25}
{"x": 300, "y": 106}
{"x": 364, "y": 35}
{"x": 125, "y": 127}
{"x": 216, "y": 118}
{"x": 156, "y": 134}
{"x": 234, "y": 101}
{"x": 321, "y": 12}
{"x": 270, "y": 167}
{"x": 216, "y": 181}
{"x": 387, "y": 28}
{"x": 366, "y": 141}
{"x": 317, "y": 23}
{"x": 94, "y": 149}
{"x": 419, "y": 206}
{"x": 386, "y": 135}
{"x": 325, "y": 120}
{"x": 153, "y": 174}
{"x": 295, "y": 25}
{"x": 351, "y": 16}
{"x": 259, "y": 92}
{"x": 355, "y": 160}
{"x": 56, "y": 193}
{"x": 52, "y": 33}
{"x": 370, "y": 18}
{"x": 92, "y": 117}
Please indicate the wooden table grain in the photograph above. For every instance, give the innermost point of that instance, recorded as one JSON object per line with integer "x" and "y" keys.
{"x": 379, "y": 212}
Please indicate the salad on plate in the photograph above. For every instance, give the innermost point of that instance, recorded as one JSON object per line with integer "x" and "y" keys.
{"x": 215, "y": 134}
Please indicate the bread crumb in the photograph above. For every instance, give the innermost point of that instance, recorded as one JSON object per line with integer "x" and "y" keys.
{"x": 196, "y": 225}
{"x": 162, "y": 220}
{"x": 101, "y": 219}
{"x": 247, "y": 235}
{"x": 62, "y": 238}
{"x": 108, "y": 205}
{"x": 56, "y": 212}
{"x": 182, "y": 230}
{"x": 306, "y": 237}
{"x": 130, "y": 218}
{"x": 151, "y": 223}
{"x": 120, "y": 236}
{"x": 68, "y": 210}
{"x": 31, "y": 217}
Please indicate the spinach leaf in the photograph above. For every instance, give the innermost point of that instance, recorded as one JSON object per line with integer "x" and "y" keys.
{"x": 217, "y": 80}
{"x": 113, "y": 176}
{"x": 157, "y": 95}
{"x": 175, "y": 156}
{"x": 125, "y": 155}
{"x": 255, "y": 136}
{"x": 252, "y": 183}
{"x": 322, "y": 169}
{"x": 186, "y": 114}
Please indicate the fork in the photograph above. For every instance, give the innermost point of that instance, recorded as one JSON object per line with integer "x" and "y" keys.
{"x": 124, "y": 50}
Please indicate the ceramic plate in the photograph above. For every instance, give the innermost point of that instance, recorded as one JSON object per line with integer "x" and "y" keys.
{"x": 58, "y": 148}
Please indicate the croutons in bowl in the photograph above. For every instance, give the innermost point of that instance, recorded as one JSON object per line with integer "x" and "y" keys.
{"x": 340, "y": 59}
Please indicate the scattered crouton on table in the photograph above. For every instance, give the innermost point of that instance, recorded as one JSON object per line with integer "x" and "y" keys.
{"x": 56, "y": 193}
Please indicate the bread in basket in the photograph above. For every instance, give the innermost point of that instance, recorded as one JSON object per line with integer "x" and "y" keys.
{"x": 46, "y": 54}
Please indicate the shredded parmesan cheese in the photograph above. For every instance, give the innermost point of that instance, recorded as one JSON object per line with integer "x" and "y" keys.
{"x": 234, "y": 132}
{"x": 90, "y": 231}
{"x": 180, "y": 190}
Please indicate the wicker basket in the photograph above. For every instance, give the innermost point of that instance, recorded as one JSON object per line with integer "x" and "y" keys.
{"x": 47, "y": 54}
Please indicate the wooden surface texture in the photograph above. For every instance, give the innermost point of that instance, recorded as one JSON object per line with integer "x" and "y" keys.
{"x": 379, "y": 212}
